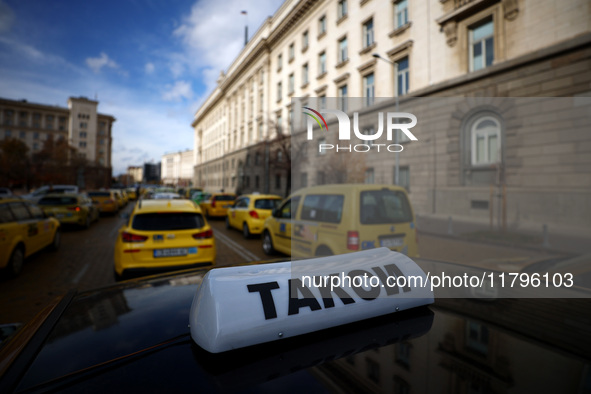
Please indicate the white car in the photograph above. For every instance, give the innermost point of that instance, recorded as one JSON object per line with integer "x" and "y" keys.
{"x": 5, "y": 192}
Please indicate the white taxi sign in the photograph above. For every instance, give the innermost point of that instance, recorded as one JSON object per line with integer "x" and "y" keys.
{"x": 242, "y": 306}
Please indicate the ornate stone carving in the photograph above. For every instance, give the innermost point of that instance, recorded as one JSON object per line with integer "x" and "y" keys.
{"x": 510, "y": 9}
{"x": 451, "y": 33}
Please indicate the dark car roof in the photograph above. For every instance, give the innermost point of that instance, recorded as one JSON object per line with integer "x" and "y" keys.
{"x": 135, "y": 337}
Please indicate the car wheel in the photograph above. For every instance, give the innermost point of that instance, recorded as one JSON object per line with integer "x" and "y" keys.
{"x": 56, "y": 241}
{"x": 227, "y": 223}
{"x": 268, "y": 244}
{"x": 15, "y": 265}
{"x": 323, "y": 251}
{"x": 245, "y": 231}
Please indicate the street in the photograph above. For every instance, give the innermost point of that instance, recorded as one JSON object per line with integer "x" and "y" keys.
{"x": 84, "y": 261}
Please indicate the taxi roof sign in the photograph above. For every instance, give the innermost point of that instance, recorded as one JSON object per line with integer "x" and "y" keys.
{"x": 242, "y": 306}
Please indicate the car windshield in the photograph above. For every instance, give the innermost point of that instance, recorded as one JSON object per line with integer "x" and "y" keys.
{"x": 267, "y": 203}
{"x": 384, "y": 207}
{"x": 99, "y": 194}
{"x": 167, "y": 221}
{"x": 225, "y": 197}
{"x": 58, "y": 201}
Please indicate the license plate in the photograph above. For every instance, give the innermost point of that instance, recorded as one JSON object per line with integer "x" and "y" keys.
{"x": 392, "y": 242}
{"x": 174, "y": 252}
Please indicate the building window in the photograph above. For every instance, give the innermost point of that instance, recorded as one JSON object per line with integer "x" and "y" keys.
{"x": 369, "y": 176}
{"x": 402, "y": 76}
{"x": 277, "y": 181}
{"x": 82, "y": 144}
{"x": 291, "y": 51}
{"x": 477, "y": 337}
{"x": 101, "y": 142}
{"x": 486, "y": 141}
{"x": 291, "y": 84}
{"x": 35, "y": 136}
{"x": 369, "y": 131}
{"x": 322, "y": 25}
{"x": 83, "y": 125}
{"x": 22, "y": 135}
{"x": 279, "y": 124}
{"x": 305, "y": 74}
{"x": 320, "y": 178}
{"x": 373, "y": 370}
{"x": 279, "y": 156}
{"x": 343, "y": 55}
{"x": 35, "y": 146}
{"x": 322, "y": 101}
{"x": 321, "y": 141}
{"x": 402, "y": 354}
{"x": 305, "y": 40}
{"x": 343, "y": 96}
{"x": 403, "y": 177}
{"x": 304, "y": 179}
{"x": 322, "y": 63}
{"x": 481, "y": 45}
{"x": 342, "y": 9}
{"x": 368, "y": 33}
{"x": 368, "y": 89}
{"x": 8, "y": 133}
{"x": 260, "y": 131}
{"x": 257, "y": 181}
{"x": 278, "y": 91}
{"x": 83, "y": 134}
{"x": 279, "y": 62}
{"x": 401, "y": 13}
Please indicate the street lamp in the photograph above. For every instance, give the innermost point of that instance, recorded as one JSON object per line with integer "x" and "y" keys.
{"x": 396, "y": 157}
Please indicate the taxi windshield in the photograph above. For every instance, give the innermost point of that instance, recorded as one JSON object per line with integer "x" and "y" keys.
{"x": 167, "y": 221}
{"x": 383, "y": 207}
{"x": 266, "y": 203}
{"x": 225, "y": 197}
{"x": 58, "y": 201}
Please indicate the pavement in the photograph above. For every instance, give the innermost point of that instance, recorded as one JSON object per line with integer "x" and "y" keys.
{"x": 553, "y": 239}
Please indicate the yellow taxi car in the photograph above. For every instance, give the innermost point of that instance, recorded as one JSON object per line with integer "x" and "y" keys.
{"x": 164, "y": 235}
{"x": 70, "y": 208}
{"x": 132, "y": 193}
{"x": 336, "y": 219}
{"x": 217, "y": 204}
{"x": 24, "y": 230}
{"x": 119, "y": 198}
{"x": 250, "y": 211}
{"x": 104, "y": 200}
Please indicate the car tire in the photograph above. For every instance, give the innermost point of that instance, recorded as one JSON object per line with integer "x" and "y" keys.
{"x": 268, "y": 247}
{"x": 117, "y": 277}
{"x": 323, "y": 251}
{"x": 228, "y": 223}
{"x": 15, "y": 264}
{"x": 245, "y": 231}
{"x": 55, "y": 244}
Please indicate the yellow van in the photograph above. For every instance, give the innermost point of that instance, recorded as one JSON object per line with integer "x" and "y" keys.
{"x": 336, "y": 219}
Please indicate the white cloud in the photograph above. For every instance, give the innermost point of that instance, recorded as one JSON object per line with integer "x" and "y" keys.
{"x": 149, "y": 68}
{"x": 97, "y": 63}
{"x": 214, "y": 32}
{"x": 178, "y": 91}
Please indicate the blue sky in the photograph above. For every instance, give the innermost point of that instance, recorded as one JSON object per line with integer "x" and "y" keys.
{"x": 150, "y": 63}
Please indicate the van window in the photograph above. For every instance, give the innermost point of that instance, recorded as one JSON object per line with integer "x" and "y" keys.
{"x": 383, "y": 207}
{"x": 323, "y": 208}
{"x": 286, "y": 211}
{"x": 167, "y": 221}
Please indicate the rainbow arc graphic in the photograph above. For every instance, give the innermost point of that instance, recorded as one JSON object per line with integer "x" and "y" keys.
{"x": 313, "y": 112}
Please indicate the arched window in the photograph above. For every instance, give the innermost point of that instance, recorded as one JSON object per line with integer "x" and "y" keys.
{"x": 486, "y": 141}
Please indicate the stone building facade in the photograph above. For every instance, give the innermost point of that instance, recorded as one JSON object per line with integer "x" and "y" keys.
{"x": 467, "y": 68}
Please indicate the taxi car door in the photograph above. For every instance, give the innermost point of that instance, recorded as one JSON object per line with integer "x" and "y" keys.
{"x": 8, "y": 232}
{"x": 44, "y": 225}
{"x": 283, "y": 223}
{"x": 27, "y": 226}
{"x": 241, "y": 211}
